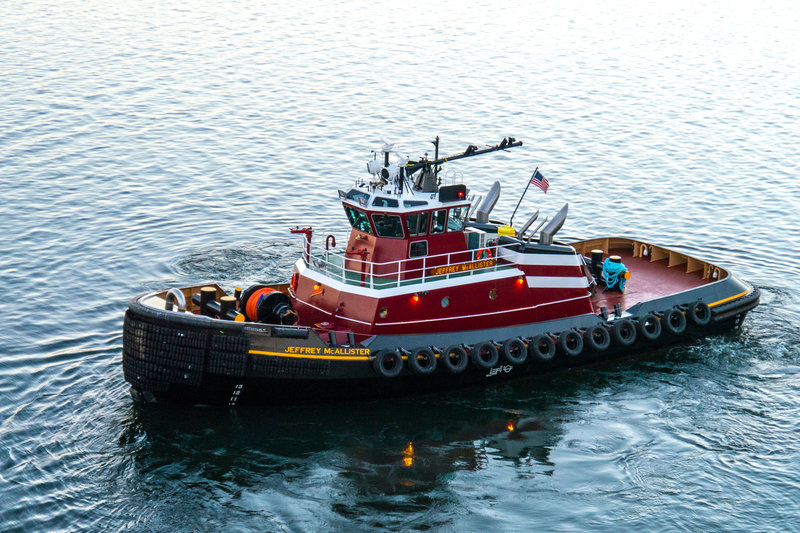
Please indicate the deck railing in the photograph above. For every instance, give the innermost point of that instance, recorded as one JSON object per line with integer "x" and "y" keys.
{"x": 349, "y": 268}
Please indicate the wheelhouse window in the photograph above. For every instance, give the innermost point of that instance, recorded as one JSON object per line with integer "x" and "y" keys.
{"x": 358, "y": 219}
{"x": 379, "y": 201}
{"x": 418, "y": 249}
{"x": 359, "y": 196}
{"x": 417, "y": 223}
{"x": 388, "y": 225}
{"x": 455, "y": 222}
{"x": 438, "y": 221}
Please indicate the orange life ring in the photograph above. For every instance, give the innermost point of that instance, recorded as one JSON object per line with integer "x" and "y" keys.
{"x": 484, "y": 253}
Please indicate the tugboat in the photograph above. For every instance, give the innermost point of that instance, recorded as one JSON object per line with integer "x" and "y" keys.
{"x": 428, "y": 294}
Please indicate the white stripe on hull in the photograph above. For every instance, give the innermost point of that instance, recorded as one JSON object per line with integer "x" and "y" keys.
{"x": 557, "y": 282}
{"x": 541, "y": 259}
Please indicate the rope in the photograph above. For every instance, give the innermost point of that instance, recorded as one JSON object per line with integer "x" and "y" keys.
{"x": 612, "y": 272}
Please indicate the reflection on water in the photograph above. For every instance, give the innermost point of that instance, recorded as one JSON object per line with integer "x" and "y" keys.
{"x": 410, "y": 444}
{"x": 363, "y": 456}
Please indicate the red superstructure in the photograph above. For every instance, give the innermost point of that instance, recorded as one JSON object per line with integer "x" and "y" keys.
{"x": 415, "y": 262}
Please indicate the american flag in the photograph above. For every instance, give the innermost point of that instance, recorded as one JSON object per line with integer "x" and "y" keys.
{"x": 539, "y": 180}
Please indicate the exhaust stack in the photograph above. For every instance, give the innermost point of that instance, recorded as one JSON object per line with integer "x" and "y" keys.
{"x": 482, "y": 214}
{"x": 552, "y": 227}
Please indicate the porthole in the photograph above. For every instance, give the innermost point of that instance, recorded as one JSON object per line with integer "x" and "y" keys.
{"x": 492, "y": 294}
{"x": 383, "y": 312}
{"x": 445, "y": 301}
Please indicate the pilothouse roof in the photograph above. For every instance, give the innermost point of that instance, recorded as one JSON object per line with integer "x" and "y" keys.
{"x": 395, "y": 187}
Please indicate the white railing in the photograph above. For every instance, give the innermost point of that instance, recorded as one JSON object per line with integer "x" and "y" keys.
{"x": 349, "y": 268}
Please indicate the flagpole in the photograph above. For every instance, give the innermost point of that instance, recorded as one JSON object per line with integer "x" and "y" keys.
{"x": 521, "y": 197}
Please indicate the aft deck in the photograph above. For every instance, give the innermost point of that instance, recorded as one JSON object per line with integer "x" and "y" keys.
{"x": 655, "y": 272}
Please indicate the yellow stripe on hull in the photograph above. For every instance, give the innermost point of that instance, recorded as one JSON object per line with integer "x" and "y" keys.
{"x": 313, "y": 356}
{"x": 730, "y": 298}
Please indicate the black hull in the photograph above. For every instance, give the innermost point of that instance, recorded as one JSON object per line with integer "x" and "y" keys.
{"x": 169, "y": 357}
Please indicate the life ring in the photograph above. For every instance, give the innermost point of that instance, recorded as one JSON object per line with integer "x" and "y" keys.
{"x": 515, "y": 351}
{"x": 483, "y": 253}
{"x": 699, "y": 313}
{"x": 673, "y": 321}
{"x": 542, "y": 348}
{"x": 597, "y": 338}
{"x": 388, "y": 363}
{"x": 484, "y": 355}
{"x": 623, "y": 332}
{"x": 454, "y": 358}
{"x": 570, "y": 343}
{"x": 649, "y": 327}
{"x": 422, "y": 361}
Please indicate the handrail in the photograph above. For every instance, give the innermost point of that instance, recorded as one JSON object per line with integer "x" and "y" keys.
{"x": 399, "y": 272}
{"x": 493, "y": 249}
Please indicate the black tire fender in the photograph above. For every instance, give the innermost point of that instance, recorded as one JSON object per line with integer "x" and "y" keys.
{"x": 542, "y": 348}
{"x": 422, "y": 361}
{"x": 454, "y": 358}
{"x": 699, "y": 313}
{"x": 388, "y": 363}
{"x": 484, "y": 355}
{"x": 673, "y": 321}
{"x": 623, "y": 331}
{"x": 515, "y": 351}
{"x": 597, "y": 338}
{"x": 649, "y": 327}
{"x": 570, "y": 343}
